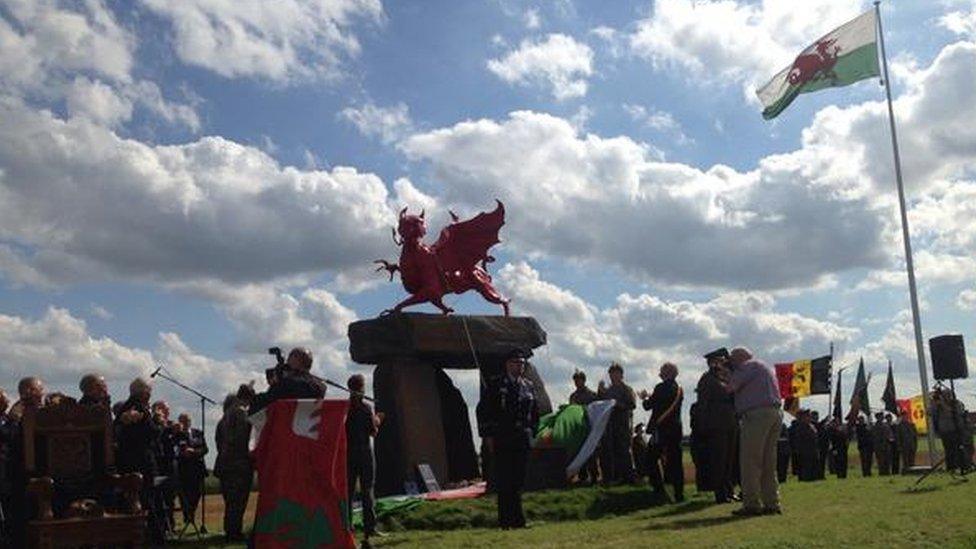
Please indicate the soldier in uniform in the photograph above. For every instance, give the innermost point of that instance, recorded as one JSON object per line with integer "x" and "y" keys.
{"x": 881, "y": 435}
{"x": 617, "y": 464}
{"x": 865, "y": 445}
{"x": 507, "y": 418}
{"x": 716, "y": 412}
{"x": 361, "y": 426}
{"x": 294, "y": 381}
{"x": 805, "y": 443}
{"x": 233, "y": 466}
{"x": 783, "y": 454}
{"x": 840, "y": 439}
{"x": 907, "y": 436}
{"x": 893, "y": 446}
{"x": 823, "y": 445}
{"x": 583, "y": 396}
{"x": 665, "y": 447}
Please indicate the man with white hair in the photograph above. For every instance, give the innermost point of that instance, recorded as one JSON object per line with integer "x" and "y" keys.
{"x": 757, "y": 403}
{"x": 137, "y": 434}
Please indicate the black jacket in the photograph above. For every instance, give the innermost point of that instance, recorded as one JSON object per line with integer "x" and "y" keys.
{"x": 293, "y": 385}
{"x": 136, "y": 441}
{"x": 665, "y": 406}
{"x": 509, "y": 411}
{"x": 716, "y": 406}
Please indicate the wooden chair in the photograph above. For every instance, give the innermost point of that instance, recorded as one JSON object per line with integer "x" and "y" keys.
{"x": 69, "y": 459}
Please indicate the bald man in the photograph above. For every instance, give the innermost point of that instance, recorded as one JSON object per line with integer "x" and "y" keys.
{"x": 757, "y": 403}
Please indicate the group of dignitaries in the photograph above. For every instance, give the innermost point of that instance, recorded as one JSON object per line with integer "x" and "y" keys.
{"x": 628, "y": 453}
{"x": 168, "y": 454}
{"x": 736, "y": 412}
{"x": 740, "y": 446}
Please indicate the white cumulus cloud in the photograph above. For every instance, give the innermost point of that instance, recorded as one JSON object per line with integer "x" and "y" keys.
{"x": 558, "y": 62}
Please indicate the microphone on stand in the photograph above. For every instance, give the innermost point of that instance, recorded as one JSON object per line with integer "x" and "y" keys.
{"x": 154, "y": 374}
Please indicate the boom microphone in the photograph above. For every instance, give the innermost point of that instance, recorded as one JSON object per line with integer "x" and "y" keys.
{"x": 154, "y": 374}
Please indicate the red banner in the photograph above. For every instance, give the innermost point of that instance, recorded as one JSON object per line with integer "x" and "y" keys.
{"x": 300, "y": 458}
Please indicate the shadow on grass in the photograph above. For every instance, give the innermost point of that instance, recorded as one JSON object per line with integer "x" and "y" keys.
{"x": 913, "y": 489}
{"x": 622, "y": 503}
{"x": 687, "y": 507}
{"x": 705, "y": 522}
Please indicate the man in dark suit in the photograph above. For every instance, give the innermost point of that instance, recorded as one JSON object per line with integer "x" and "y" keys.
{"x": 665, "y": 424}
{"x": 507, "y": 418}
{"x": 294, "y": 381}
{"x": 137, "y": 434}
{"x": 718, "y": 425}
{"x": 191, "y": 470}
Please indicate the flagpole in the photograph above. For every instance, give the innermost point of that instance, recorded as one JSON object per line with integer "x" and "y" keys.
{"x": 913, "y": 292}
{"x": 830, "y": 394}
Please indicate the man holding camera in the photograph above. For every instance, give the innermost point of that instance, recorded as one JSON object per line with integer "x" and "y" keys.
{"x": 290, "y": 379}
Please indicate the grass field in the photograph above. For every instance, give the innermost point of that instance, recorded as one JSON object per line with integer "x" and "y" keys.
{"x": 856, "y": 512}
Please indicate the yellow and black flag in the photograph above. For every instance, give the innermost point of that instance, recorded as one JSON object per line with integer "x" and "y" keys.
{"x": 804, "y": 377}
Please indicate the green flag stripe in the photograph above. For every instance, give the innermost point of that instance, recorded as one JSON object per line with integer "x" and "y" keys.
{"x": 853, "y": 67}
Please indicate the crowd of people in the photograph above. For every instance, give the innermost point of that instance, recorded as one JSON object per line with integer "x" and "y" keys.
{"x": 168, "y": 454}
{"x": 740, "y": 446}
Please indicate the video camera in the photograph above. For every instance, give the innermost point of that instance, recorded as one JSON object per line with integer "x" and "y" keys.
{"x": 273, "y": 375}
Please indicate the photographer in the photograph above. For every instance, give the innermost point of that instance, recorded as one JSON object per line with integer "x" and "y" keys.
{"x": 290, "y": 379}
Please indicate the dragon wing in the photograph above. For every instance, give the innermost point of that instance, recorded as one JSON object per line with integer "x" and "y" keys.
{"x": 463, "y": 244}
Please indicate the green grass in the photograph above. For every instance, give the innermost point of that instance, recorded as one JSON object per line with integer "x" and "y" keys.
{"x": 872, "y": 512}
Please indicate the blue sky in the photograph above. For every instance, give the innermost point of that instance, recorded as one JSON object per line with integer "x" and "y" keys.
{"x": 190, "y": 183}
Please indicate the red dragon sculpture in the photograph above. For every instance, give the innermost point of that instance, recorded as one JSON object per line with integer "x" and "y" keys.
{"x": 456, "y": 263}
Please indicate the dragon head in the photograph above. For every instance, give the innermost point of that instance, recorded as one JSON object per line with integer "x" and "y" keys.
{"x": 411, "y": 227}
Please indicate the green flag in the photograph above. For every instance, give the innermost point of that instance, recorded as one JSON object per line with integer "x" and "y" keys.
{"x": 844, "y": 56}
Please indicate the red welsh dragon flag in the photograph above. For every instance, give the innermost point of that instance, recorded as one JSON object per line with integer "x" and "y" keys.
{"x": 300, "y": 456}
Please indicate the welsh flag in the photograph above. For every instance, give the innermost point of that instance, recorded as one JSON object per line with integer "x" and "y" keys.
{"x": 844, "y": 56}
{"x": 299, "y": 451}
{"x": 576, "y": 428}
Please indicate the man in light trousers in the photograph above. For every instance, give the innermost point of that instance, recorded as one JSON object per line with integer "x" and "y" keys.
{"x": 758, "y": 405}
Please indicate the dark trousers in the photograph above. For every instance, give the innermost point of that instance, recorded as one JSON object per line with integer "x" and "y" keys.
{"x": 839, "y": 457}
{"x": 511, "y": 458}
{"x": 360, "y": 466}
{"x": 666, "y": 455}
{"x": 908, "y": 455}
{"x": 720, "y": 462}
{"x": 616, "y": 461}
{"x": 236, "y": 489}
{"x": 783, "y": 456}
{"x": 867, "y": 457}
{"x": 822, "y": 461}
{"x": 191, "y": 487}
{"x": 883, "y": 455}
{"x": 895, "y": 459}
{"x": 590, "y": 472}
{"x": 809, "y": 465}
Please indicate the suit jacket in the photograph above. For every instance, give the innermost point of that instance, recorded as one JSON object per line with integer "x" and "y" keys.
{"x": 294, "y": 385}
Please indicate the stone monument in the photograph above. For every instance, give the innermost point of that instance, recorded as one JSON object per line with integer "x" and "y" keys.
{"x": 426, "y": 417}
